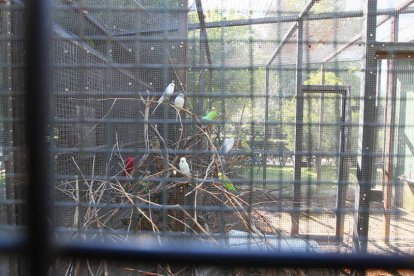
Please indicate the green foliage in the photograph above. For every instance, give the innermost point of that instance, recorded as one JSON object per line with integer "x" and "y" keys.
{"x": 229, "y": 46}
{"x": 2, "y": 178}
{"x": 294, "y": 6}
{"x": 329, "y": 78}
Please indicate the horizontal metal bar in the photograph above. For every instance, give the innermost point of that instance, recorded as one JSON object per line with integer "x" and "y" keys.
{"x": 12, "y": 243}
{"x": 307, "y": 210}
{"x": 401, "y": 8}
{"x": 392, "y": 47}
{"x": 325, "y": 88}
{"x": 177, "y": 39}
{"x": 119, "y": 8}
{"x": 208, "y": 123}
{"x": 273, "y": 181}
{"x": 272, "y": 20}
{"x": 197, "y": 253}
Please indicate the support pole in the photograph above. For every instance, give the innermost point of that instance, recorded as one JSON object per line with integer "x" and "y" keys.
{"x": 357, "y": 37}
{"x": 266, "y": 127}
{"x": 320, "y": 131}
{"x": 288, "y": 34}
{"x": 366, "y": 131}
{"x": 298, "y": 133}
{"x": 38, "y": 80}
{"x": 343, "y": 171}
{"x": 391, "y": 100}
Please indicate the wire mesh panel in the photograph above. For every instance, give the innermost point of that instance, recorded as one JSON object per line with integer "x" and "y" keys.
{"x": 269, "y": 126}
{"x": 237, "y": 162}
{"x": 13, "y": 168}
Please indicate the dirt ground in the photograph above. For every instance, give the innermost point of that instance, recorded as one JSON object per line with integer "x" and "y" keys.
{"x": 270, "y": 221}
{"x": 273, "y": 221}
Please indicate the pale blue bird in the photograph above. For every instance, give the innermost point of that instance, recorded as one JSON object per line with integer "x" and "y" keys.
{"x": 228, "y": 144}
{"x": 184, "y": 167}
{"x": 179, "y": 101}
{"x": 179, "y": 104}
{"x": 168, "y": 92}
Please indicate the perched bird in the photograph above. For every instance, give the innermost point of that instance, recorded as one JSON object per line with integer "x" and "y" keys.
{"x": 227, "y": 145}
{"x": 155, "y": 143}
{"x": 245, "y": 146}
{"x": 226, "y": 183}
{"x": 128, "y": 166}
{"x": 168, "y": 92}
{"x": 210, "y": 115}
{"x": 179, "y": 104}
{"x": 179, "y": 101}
{"x": 184, "y": 167}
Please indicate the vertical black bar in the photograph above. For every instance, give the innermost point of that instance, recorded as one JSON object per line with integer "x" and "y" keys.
{"x": 320, "y": 131}
{"x": 266, "y": 126}
{"x": 367, "y": 129}
{"x": 38, "y": 46}
{"x": 343, "y": 172}
{"x": 389, "y": 136}
{"x": 201, "y": 80}
{"x": 401, "y": 144}
{"x": 166, "y": 79}
{"x": 397, "y": 188}
{"x": 298, "y": 132}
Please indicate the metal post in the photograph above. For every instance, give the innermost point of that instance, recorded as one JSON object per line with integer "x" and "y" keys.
{"x": 298, "y": 132}
{"x": 357, "y": 37}
{"x": 201, "y": 80}
{"x": 343, "y": 172}
{"x": 389, "y": 134}
{"x": 266, "y": 127}
{"x": 366, "y": 131}
{"x": 38, "y": 38}
{"x": 401, "y": 144}
{"x": 320, "y": 131}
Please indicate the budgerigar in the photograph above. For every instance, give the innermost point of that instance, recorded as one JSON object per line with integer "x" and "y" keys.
{"x": 179, "y": 101}
{"x": 228, "y": 144}
{"x": 210, "y": 115}
{"x": 179, "y": 104}
{"x": 226, "y": 183}
{"x": 245, "y": 146}
{"x": 168, "y": 92}
{"x": 184, "y": 167}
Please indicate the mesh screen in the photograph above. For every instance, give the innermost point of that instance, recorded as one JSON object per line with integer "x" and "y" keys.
{"x": 12, "y": 108}
{"x": 275, "y": 118}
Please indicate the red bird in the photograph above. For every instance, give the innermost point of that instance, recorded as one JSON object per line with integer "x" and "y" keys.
{"x": 129, "y": 165}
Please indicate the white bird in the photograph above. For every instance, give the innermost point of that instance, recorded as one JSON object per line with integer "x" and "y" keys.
{"x": 168, "y": 92}
{"x": 184, "y": 167}
{"x": 179, "y": 104}
{"x": 179, "y": 101}
{"x": 227, "y": 145}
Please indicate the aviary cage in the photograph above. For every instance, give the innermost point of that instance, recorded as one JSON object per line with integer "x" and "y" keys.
{"x": 314, "y": 98}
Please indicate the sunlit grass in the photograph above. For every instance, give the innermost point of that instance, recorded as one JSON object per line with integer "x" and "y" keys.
{"x": 283, "y": 177}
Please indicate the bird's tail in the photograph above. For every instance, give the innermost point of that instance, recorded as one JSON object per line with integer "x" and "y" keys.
{"x": 177, "y": 115}
{"x": 159, "y": 102}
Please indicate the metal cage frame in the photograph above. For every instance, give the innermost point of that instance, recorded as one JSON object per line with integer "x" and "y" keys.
{"x": 38, "y": 245}
{"x": 343, "y": 171}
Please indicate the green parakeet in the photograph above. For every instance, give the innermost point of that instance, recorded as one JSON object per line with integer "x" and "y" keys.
{"x": 211, "y": 115}
{"x": 227, "y": 183}
{"x": 245, "y": 146}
